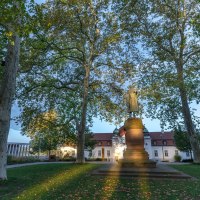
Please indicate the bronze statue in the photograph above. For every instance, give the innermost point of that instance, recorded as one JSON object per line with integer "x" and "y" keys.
{"x": 131, "y": 100}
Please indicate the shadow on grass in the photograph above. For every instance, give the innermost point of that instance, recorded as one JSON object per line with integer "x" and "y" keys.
{"x": 73, "y": 182}
{"x": 42, "y": 182}
{"x": 191, "y": 169}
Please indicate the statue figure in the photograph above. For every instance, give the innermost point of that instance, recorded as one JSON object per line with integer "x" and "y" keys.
{"x": 131, "y": 100}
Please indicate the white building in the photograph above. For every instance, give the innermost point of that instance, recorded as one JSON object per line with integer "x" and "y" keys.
{"x": 67, "y": 151}
{"x": 109, "y": 146}
{"x": 160, "y": 146}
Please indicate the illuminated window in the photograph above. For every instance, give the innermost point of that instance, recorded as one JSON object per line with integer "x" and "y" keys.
{"x": 187, "y": 154}
{"x": 99, "y": 153}
{"x": 164, "y": 142}
{"x": 156, "y": 153}
{"x": 108, "y": 153}
{"x": 166, "y": 153}
{"x": 154, "y": 143}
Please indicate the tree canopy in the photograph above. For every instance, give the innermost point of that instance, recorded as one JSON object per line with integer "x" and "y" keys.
{"x": 78, "y": 57}
{"x": 168, "y": 73}
{"x": 181, "y": 139}
{"x": 73, "y": 64}
{"x": 12, "y": 17}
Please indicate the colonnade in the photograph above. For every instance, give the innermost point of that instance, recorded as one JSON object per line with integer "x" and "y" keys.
{"x": 18, "y": 149}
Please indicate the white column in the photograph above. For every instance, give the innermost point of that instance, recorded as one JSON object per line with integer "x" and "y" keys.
{"x": 12, "y": 150}
{"x": 19, "y": 150}
{"x": 27, "y": 150}
{"x": 15, "y": 150}
{"x": 23, "y": 150}
{"x": 8, "y": 149}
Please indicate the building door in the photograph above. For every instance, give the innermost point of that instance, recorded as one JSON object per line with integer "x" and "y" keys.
{"x": 103, "y": 153}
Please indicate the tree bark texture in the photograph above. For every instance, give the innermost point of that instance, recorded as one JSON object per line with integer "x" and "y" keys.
{"x": 194, "y": 141}
{"x": 7, "y": 90}
{"x": 81, "y": 131}
{"x": 195, "y": 144}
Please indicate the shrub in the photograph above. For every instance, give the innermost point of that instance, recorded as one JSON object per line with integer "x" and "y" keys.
{"x": 19, "y": 160}
{"x": 187, "y": 160}
{"x": 90, "y": 159}
{"x": 52, "y": 158}
{"x": 177, "y": 158}
{"x": 96, "y": 159}
{"x": 70, "y": 158}
{"x": 165, "y": 160}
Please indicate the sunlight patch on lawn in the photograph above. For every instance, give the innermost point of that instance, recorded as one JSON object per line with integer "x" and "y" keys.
{"x": 110, "y": 186}
{"x": 144, "y": 188}
{"x": 51, "y": 184}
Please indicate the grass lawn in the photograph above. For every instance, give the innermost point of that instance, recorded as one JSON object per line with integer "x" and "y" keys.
{"x": 73, "y": 182}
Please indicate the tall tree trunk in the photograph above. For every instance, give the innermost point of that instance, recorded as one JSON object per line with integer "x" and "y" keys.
{"x": 194, "y": 141}
{"x": 195, "y": 144}
{"x": 7, "y": 90}
{"x": 190, "y": 154}
{"x": 81, "y": 131}
{"x": 192, "y": 134}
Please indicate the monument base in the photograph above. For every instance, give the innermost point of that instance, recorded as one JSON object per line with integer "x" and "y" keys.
{"x": 135, "y": 154}
{"x": 162, "y": 171}
{"x": 137, "y": 163}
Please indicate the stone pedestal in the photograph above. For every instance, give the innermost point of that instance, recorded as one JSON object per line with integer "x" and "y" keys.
{"x": 135, "y": 154}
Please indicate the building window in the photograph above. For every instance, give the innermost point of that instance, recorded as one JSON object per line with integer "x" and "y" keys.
{"x": 146, "y": 143}
{"x": 108, "y": 153}
{"x": 154, "y": 143}
{"x": 99, "y": 143}
{"x": 156, "y": 153}
{"x": 73, "y": 153}
{"x": 187, "y": 154}
{"x": 176, "y": 152}
{"x": 108, "y": 143}
{"x": 166, "y": 153}
{"x": 99, "y": 153}
{"x": 164, "y": 142}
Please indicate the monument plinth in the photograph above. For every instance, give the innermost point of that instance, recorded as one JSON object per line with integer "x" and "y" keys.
{"x": 136, "y": 163}
{"x": 135, "y": 154}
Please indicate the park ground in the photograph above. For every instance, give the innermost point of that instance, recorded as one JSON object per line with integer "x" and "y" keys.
{"x": 73, "y": 182}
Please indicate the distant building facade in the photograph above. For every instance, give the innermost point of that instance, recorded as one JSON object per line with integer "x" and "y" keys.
{"x": 159, "y": 145}
{"x": 18, "y": 149}
{"x": 110, "y": 146}
{"x": 67, "y": 151}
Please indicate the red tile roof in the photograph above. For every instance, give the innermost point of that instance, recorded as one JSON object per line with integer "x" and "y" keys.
{"x": 153, "y": 135}
{"x": 160, "y": 139}
{"x": 157, "y": 138}
{"x": 160, "y": 135}
{"x": 102, "y": 136}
